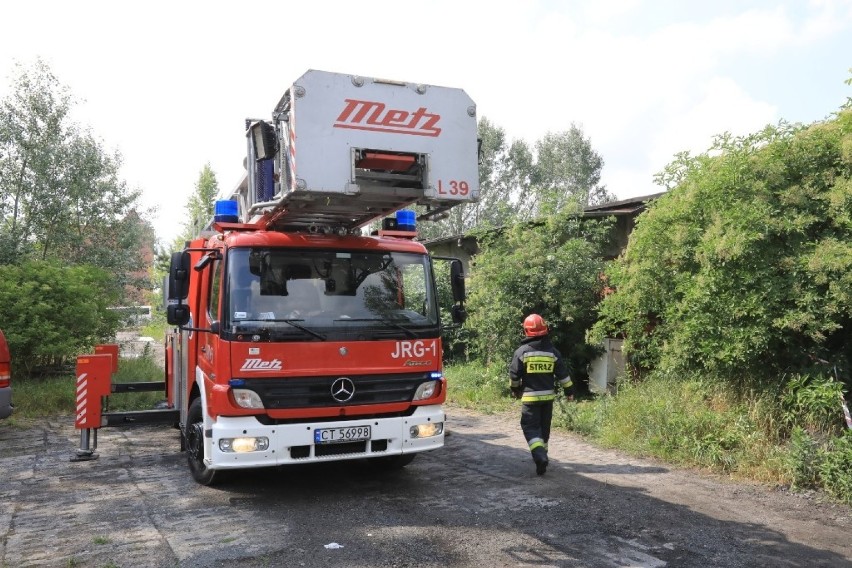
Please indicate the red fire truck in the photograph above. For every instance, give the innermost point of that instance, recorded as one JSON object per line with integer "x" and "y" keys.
{"x": 301, "y": 335}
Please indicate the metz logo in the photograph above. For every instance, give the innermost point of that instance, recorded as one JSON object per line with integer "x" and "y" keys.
{"x": 371, "y": 115}
{"x": 261, "y": 365}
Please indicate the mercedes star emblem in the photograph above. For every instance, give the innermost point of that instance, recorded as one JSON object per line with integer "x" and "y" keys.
{"x": 343, "y": 389}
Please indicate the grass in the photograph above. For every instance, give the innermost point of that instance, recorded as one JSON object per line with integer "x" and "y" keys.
{"x": 156, "y": 327}
{"x": 691, "y": 422}
{"x": 480, "y": 388}
{"x": 684, "y": 422}
{"x": 53, "y": 396}
{"x": 141, "y": 369}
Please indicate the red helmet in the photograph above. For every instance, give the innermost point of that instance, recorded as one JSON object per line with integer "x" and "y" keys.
{"x": 534, "y": 326}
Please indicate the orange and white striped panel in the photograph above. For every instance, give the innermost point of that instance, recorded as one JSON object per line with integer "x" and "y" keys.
{"x": 82, "y": 402}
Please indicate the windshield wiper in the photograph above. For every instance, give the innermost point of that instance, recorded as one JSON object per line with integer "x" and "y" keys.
{"x": 388, "y": 321}
{"x": 292, "y": 322}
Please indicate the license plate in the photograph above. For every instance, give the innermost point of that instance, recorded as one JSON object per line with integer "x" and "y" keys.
{"x": 343, "y": 434}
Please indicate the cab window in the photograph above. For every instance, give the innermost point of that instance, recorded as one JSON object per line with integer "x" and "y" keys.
{"x": 215, "y": 290}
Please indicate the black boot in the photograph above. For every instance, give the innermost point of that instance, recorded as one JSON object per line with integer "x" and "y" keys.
{"x": 540, "y": 459}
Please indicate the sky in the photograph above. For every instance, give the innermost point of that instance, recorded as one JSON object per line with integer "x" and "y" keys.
{"x": 169, "y": 84}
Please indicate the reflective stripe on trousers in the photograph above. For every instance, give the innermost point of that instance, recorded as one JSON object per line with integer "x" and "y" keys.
{"x": 535, "y": 423}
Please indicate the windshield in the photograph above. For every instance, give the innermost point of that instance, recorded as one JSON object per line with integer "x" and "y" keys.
{"x": 284, "y": 294}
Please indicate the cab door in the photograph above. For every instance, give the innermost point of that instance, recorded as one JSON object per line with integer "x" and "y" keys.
{"x": 209, "y": 316}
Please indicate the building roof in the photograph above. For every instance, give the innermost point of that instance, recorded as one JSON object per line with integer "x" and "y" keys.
{"x": 629, "y": 206}
{"x": 623, "y": 207}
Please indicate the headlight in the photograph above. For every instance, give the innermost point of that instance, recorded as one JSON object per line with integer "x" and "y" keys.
{"x": 426, "y": 430}
{"x": 247, "y": 398}
{"x": 242, "y": 445}
{"x": 425, "y": 390}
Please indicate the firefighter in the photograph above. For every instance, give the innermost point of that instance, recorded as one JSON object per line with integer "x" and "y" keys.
{"x": 537, "y": 367}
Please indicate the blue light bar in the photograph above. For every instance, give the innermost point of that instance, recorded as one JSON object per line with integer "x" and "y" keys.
{"x": 237, "y": 382}
{"x": 405, "y": 220}
{"x": 226, "y": 211}
{"x": 436, "y": 375}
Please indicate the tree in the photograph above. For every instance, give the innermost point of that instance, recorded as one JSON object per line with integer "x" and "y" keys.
{"x": 565, "y": 176}
{"x": 72, "y": 236}
{"x": 551, "y": 267}
{"x": 32, "y": 133}
{"x": 200, "y": 206}
{"x": 498, "y": 181}
{"x": 743, "y": 270}
{"x": 61, "y": 196}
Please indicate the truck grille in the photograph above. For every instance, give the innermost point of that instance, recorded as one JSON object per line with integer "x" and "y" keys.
{"x": 307, "y": 392}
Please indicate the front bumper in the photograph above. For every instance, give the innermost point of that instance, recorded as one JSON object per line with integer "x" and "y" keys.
{"x": 294, "y": 443}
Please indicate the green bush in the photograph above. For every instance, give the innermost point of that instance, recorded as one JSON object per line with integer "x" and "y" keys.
{"x": 803, "y": 460}
{"x": 823, "y": 465}
{"x": 835, "y": 468}
{"x": 744, "y": 268}
{"x": 50, "y": 313}
{"x": 552, "y": 268}
{"x": 812, "y": 403}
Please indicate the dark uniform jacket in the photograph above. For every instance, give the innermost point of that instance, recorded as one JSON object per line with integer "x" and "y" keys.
{"x": 537, "y": 367}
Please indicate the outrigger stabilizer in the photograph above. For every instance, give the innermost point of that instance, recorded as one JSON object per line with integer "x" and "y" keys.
{"x": 94, "y": 386}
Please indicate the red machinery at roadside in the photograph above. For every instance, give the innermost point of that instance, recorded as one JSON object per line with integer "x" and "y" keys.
{"x": 5, "y": 379}
{"x": 298, "y": 337}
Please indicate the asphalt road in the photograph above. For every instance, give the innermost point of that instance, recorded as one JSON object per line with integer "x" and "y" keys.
{"x": 476, "y": 502}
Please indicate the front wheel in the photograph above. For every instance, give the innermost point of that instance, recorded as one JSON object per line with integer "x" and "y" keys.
{"x": 195, "y": 445}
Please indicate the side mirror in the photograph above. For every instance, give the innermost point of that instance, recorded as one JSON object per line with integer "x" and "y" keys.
{"x": 457, "y": 280}
{"x": 263, "y": 140}
{"x": 179, "y": 276}
{"x": 177, "y": 314}
{"x": 458, "y": 313}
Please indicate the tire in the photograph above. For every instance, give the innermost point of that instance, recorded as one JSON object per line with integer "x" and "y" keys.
{"x": 392, "y": 463}
{"x": 194, "y": 443}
